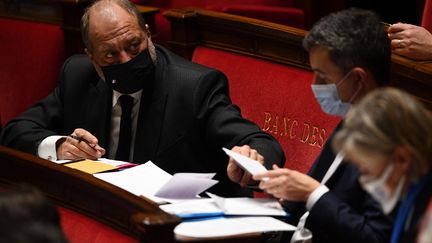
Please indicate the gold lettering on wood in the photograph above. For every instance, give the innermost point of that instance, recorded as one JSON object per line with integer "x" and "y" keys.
{"x": 267, "y": 121}
{"x": 313, "y": 135}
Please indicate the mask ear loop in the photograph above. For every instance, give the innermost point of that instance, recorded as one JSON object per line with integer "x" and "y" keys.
{"x": 343, "y": 78}
{"x": 356, "y": 93}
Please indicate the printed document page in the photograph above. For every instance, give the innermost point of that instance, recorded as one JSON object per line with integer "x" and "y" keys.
{"x": 217, "y": 206}
{"x": 156, "y": 184}
{"x": 221, "y": 227}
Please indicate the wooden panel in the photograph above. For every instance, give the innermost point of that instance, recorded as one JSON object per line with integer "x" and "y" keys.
{"x": 83, "y": 193}
{"x": 274, "y": 42}
{"x": 270, "y": 41}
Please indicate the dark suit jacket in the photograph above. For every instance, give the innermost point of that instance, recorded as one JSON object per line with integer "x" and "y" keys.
{"x": 185, "y": 118}
{"x": 346, "y": 213}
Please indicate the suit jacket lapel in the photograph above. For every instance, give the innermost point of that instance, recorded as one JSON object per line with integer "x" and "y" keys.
{"x": 149, "y": 129}
{"x": 99, "y": 112}
{"x": 151, "y": 116}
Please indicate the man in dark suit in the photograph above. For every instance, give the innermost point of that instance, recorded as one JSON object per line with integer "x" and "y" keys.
{"x": 349, "y": 53}
{"x": 134, "y": 101}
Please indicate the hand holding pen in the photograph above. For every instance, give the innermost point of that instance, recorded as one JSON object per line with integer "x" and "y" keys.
{"x": 80, "y": 144}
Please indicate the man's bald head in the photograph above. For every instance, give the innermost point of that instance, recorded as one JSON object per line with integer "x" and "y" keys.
{"x": 106, "y": 10}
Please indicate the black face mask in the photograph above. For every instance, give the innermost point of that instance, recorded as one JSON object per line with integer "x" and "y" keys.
{"x": 131, "y": 76}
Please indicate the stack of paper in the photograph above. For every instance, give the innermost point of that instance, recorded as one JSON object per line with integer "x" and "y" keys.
{"x": 217, "y": 206}
{"x": 156, "y": 184}
{"x": 222, "y": 227}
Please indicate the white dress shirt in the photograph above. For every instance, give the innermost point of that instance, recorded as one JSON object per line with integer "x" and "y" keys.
{"x": 47, "y": 148}
{"x": 323, "y": 189}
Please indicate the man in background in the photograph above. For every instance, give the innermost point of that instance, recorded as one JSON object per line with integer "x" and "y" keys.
{"x": 133, "y": 101}
{"x": 349, "y": 53}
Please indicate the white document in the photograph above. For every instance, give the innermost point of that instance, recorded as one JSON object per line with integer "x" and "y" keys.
{"x": 252, "y": 166}
{"x": 148, "y": 179}
{"x": 216, "y": 206}
{"x": 221, "y": 227}
{"x": 186, "y": 185}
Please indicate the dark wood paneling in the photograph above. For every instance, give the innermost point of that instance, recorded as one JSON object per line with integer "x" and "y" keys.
{"x": 83, "y": 193}
{"x": 276, "y": 43}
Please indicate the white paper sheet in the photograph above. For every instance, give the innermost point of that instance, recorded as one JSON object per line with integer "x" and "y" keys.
{"x": 229, "y": 227}
{"x": 186, "y": 185}
{"x": 147, "y": 179}
{"x": 226, "y": 206}
{"x": 252, "y": 166}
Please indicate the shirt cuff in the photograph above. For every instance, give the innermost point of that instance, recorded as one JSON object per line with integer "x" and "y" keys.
{"x": 47, "y": 148}
{"x": 315, "y": 196}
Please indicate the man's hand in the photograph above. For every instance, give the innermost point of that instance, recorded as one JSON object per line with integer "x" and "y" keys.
{"x": 81, "y": 144}
{"x": 411, "y": 41}
{"x": 287, "y": 184}
{"x": 236, "y": 173}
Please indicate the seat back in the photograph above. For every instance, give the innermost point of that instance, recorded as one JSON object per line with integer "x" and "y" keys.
{"x": 427, "y": 15}
{"x": 268, "y": 73}
{"x": 32, "y": 54}
{"x": 278, "y": 98}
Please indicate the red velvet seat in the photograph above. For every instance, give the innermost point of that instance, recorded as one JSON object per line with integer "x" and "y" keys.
{"x": 32, "y": 54}
{"x": 427, "y": 15}
{"x": 79, "y": 228}
{"x": 279, "y": 99}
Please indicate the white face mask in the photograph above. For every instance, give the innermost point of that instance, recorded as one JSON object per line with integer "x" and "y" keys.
{"x": 327, "y": 96}
{"x": 378, "y": 189}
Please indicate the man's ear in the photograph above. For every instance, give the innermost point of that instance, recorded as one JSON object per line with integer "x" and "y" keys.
{"x": 147, "y": 30}
{"x": 361, "y": 74}
{"x": 89, "y": 54}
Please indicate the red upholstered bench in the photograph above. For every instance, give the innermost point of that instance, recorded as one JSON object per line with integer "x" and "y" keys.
{"x": 32, "y": 54}
{"x": 268, "y": 72}
{"x": 278, "y": 98}
{"x": 79, "y": 228}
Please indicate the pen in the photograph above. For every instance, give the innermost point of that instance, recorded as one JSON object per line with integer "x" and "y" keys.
{"x": 80, "y": 139}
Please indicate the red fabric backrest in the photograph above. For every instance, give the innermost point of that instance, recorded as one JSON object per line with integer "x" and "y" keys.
{"x": 81, "y": 229}
{"x": 279, "y": 99}
{"x": 32, "y": 54}
{"x": 427, "y": 15}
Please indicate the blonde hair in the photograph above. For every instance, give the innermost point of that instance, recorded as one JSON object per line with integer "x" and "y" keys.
{"x": 383, "y": 120}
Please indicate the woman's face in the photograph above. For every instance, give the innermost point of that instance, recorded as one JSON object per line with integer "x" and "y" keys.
{"x": 373, "y": 165}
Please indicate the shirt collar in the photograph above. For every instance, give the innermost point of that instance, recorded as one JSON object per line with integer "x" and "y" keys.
{"x": 116, "y": 95}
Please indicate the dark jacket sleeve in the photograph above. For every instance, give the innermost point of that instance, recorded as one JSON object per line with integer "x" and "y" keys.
{"x": 348, "y": 214}
{"x": 47, "y": 117}
{"x": 224, "y": 125}
{"x": 43, "y": 119}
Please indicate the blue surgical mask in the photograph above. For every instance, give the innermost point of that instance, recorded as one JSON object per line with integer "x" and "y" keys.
{"x": 327, "y": 96}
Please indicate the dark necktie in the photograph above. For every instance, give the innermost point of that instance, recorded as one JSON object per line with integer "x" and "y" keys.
{"x": 125, "y": 136}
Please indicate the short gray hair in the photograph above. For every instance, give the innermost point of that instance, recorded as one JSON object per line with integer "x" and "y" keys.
{"x": 354, "y": 38}
{"x": 124, "y": 4}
